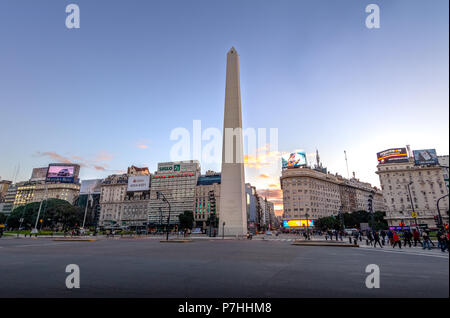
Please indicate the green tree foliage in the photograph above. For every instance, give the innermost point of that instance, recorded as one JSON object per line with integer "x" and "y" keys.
{"x": 327, "y": 223}
{"x": 353, "y": 220}
{"x": 54, "y": 213}
{"x": 186, "y": 220}
{"x": 2, "y": 218}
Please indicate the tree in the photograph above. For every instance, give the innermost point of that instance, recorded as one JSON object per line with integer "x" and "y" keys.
{"x": 329, "y": 222}
{"x": 54, "y": 212}
{"x": 2, "y": 218}
{"x": 186, "y": 220}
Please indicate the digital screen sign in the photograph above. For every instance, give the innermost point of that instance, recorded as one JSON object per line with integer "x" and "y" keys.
{"x": 425, "y": 157}
{"x": 293, "y": 160}
{"x": 61, "y": 173}
{"x": 392, "y": 155}
{"x": 298, "y": 223}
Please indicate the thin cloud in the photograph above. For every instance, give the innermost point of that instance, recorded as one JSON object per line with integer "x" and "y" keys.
{"x": 103, "y": 156}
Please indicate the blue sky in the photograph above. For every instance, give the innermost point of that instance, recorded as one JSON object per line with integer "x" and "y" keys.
{"x": 109, "y": 94}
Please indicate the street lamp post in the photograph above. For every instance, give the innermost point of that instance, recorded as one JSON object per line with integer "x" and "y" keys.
{"x": 223, "y": 230}
{"x": 85, "y": 210}
{"x": 307, "y": 226}
{"x": 39, "y": 212}
{"x": 158, "y": 196}
{"x": 439, "y": 211}
{"x": 412, "y": 204}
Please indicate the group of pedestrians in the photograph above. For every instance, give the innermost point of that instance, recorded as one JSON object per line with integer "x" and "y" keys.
{"x": 375, "y": 238}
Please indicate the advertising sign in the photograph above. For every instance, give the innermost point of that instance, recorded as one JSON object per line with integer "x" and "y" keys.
{"x": 138, "y": 183}
{"x": 298, "y": 223}
{"x": 90, "y": 186}
{"x": 425, "y": 157}
{"x": 61, "y": 173}
{"x": 392, "y": 155}
{"x": 293, "y": 160}
{"x": 39, "y": 174}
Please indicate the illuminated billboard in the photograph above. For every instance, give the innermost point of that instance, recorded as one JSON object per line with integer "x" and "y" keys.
{"x": 392, "y": 155}
{"x": 298, "y": 223}
{"x": 425, "y": 157}
{"x": 293, "y": 160}
{"x": 66, "y": 173}
{"x": 138, "y": 183}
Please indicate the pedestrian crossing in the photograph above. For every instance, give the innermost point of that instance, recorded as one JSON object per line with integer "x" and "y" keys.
{"x": 408, "y": 251}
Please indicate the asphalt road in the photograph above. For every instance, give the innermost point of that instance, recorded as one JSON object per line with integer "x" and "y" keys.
{"x": 276, "y": 268}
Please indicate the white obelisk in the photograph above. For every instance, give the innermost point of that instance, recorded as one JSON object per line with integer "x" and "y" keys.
{"x": 233, "y": 208}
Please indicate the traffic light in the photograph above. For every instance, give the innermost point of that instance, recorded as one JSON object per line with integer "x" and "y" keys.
{"x": 436, "y": 219}
{"x": 212, "y": 201}
{"x": 370, "y": 202}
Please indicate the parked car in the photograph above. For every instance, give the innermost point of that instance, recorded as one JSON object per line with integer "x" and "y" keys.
{"x": 64, "y": 173}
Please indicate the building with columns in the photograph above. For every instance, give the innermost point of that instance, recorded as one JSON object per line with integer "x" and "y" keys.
{"x": 409, "y": 187}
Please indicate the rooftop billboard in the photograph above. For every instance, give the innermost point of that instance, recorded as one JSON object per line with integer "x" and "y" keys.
{"x": 392, "y": 155}
{"x": 39, "y": 174}
{"x": 138, "y": 183}
{"x": 90, "y": 186}
{"x": 65, "y": 173}
{"x": 293, "y": 160}
{"x": 425, "y": 157}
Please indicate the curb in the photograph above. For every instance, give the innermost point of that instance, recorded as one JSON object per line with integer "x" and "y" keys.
{"x": 74, "y": 240}
{"x": 302, "y": 243}
{"x": 175, "y": 241}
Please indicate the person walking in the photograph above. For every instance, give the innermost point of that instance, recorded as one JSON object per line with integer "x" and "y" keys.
{"x": 396, "y": 240}
{"x": 377, "y": 240}
{"x": 426, "y": 240}
{"x": 390, "y": 236}
{"x": 383, "y": 236}
{"x": 416, "y": 237}
{"x": 444, "y": 241}
{"x": 369, "y": 238}
{"x": 407, "y": 237}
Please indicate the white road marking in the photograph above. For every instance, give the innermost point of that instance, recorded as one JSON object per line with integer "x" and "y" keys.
{"x": 30, "y": 245}
{"x": 406, "y": 252}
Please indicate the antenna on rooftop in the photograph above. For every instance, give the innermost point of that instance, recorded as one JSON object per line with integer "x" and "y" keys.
{"x": 346, "y": 163}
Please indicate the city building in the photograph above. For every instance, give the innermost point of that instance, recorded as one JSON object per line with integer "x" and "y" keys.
{"x": 135, "y": 205}
{"x": 266, "y": 213}
{"x": 313, "y": 193}
{"x": 176, "y": 182}
{"x": 252, "y": 208}
{"x": 136, "y": 171}
{"x": 10, "y": 196}
{"x": 443, "y": 162}
{"x": 112, "y": 194}
{"x": 410, "y": 186}
{"x": 25, "y": 193}
{"x": 4, "y": 185}
{"x": 207, "y": 200}
{"x": 63, "y": 191}
{"x": 310, "y": 194}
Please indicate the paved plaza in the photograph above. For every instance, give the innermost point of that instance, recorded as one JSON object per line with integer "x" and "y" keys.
{"x": 144, "y": 267}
